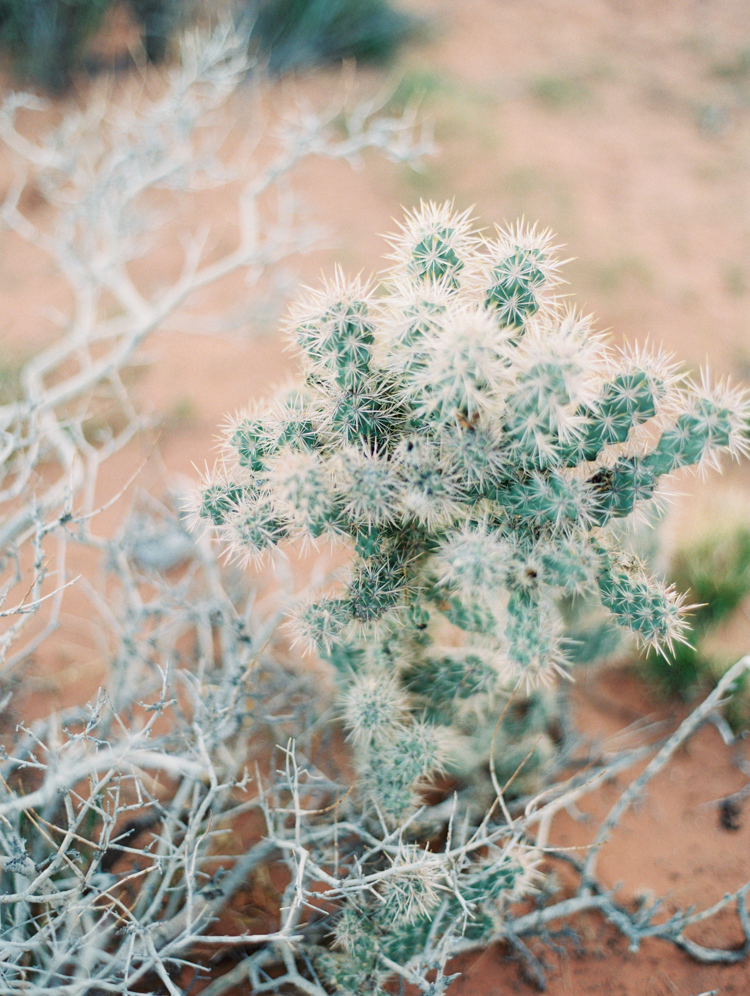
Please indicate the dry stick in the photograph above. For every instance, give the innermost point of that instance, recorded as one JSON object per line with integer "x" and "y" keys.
{"x": 499, "y": 798}
{"x": 234, "y": 977}
{"x": 672, "y": 929}
{"x": 546, "y": 814}
{"x": 683, "y": 732}
{"x": 520, "y": 767}
{"x": 721, "y": 956}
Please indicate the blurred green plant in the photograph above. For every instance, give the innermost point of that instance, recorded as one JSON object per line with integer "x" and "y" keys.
{"x": 46, "y": 40}
{"x": 715, "y": 574}
{"x": 160, "y": 20}
{"x": 735, "y": 281}
{"x": 560, "y": 92}
{"x": 736, "y": 69}
{"x": 293, "y": 34}
{"x": 10, "y": 378}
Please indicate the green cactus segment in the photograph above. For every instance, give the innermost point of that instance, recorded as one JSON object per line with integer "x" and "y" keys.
{"x": 369, "y": 413}
{"x": 708, "y": 425}
{"x": 396, "y": 758}
{"x": 442, "y": 681}
{"x": 474, "y": 454}
{"x": 618, "y": 488}
{"x": 567, "y": 565}
{"x": 532, "y": 635}
{"x": 321, "y": 624}
{"x": 402, "y": 944}
{"x": 255, "y": 526}
{"x": 514, "y": 287}
{"x": 550, "y": 498}
{"x": 408, "y": 940}
{"x": 368, "y": 541}
{"x": 363, "y": 933}
{"x": 376, "y": 585}
{"x": 254, "y": 440}
{"x": 490, "y": 880}
{"x": 339, "y": 340}
{"x": 410, "y": 908}
{"x": 374, "y": 709}
{"x": 409, "y": 337}
{"x": 628, "y": 400}
{"x": 430, "y": 491}
{"x": 474, "y": 560}
{"x": 293, "y": 414}
{"x": 302, "y": 484}
{"x": 462, "y": 370}
{"x": 356, "y": 971}
{"x": 415, "y": 753}
{"x": 696, "y": 436}
{"x": 642, "y": 603}
{"x": 417, "y": 317}
{"x": 406, "y": 897}
{"x": 473, "y": 615}
{"x": 532, "y": 439}
{"x": 434, "y": 259}
{"x": 369, "y": 487}
{"x": 392, "y": 791}
{"x": 352, "y": 352}
{"x": 298, "y": 435}
{"x": 218, "y": 500}
{"x": 297, "y": 432}
{"x": 417, "y": 617}
{"x": 542, "y": 393}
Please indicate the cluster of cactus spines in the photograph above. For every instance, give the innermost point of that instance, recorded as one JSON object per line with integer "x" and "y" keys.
{"x": 398, "y": 924}
{"x": 470, "y": 437}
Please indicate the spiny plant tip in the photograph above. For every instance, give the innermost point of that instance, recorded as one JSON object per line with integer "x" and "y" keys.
{"x": 730, "y": 415}
{"x": 375, "y": 708}
{"x": 414, "y": 888}
{"x": 434, "y": 243}
{"x": 530, "y": 252}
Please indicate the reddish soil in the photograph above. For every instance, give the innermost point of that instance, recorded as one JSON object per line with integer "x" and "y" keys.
{"x": 672, "y": 846}
{"x": 623, "y": 126}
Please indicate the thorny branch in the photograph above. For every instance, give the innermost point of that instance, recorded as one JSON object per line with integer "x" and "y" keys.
{"x": 96, "y": 169}
{"x": 111, "y": 855}
{"x": 180, "y": 847}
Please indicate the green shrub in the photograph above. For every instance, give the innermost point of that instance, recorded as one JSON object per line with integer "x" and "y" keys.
{"x": 293, "y": 34}
{"x": 46, "y": 40}
{"x": 715, "y": 574}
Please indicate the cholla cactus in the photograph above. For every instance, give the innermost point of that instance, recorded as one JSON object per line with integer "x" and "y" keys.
{"x": 470, "y": 437}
